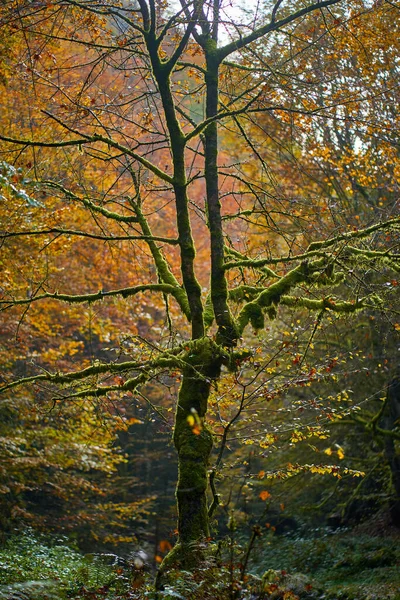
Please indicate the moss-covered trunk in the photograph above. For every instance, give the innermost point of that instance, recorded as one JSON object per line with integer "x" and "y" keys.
{"x": 193, "y": 442}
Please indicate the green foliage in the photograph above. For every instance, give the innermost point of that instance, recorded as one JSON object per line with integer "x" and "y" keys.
{"x": 279, "y": 584}
{"x": 207, "y": 582}
{"x": 33, "y": 567}
{"x": 347, "y": 565}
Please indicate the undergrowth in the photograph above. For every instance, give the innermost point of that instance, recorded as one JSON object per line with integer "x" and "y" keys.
{"x": 38, "y": 568}
{"x": 346, "y": 565}
{"x": 321, "y": 566}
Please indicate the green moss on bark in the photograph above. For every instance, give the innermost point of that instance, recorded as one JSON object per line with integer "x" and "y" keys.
{"x": 271, "y": 296}
{"x": 192, "y": 439}
{"x": 208, "y": 312}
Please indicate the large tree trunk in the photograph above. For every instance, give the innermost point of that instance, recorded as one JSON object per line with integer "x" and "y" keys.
{"x": 193, "y": 442}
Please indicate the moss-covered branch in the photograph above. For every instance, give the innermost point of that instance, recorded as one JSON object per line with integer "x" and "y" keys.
{"x": 241, "y": 257}
{"x": 273, "y": 25}
{"x": 163, "y": 270}
{"x": 317, "y": 273}
{"x": 369, "y": 426}
{"x": 94, "y": 236}
{"x": 184, "y": 357}
{"x": 100, "y": 391}
{"x": 318, "y": 249}
{"x": 330, "y": 303}
{"x": 90, "y": 204}
{"x": 354, "y": 235}
{"x": 84, "y": 139}
{"x": 164, "y": 288}
{"x": 165, "y": 360}
{"x": 253, "y": 311}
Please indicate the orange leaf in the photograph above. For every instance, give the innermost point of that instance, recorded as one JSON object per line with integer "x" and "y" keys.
{"x": 164, "y": 546}
{"x": 264, "y": 495}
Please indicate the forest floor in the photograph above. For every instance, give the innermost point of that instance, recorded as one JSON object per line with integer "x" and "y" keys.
{"x": 361, "y": 563}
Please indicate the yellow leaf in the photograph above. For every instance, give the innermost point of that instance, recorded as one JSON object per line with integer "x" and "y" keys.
{"x": 132, "y": 421}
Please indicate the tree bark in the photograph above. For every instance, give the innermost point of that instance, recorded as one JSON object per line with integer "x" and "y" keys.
{"x": 194, "y": 445}
{"x": 227, "y": 333}
{"x": 193, "y": 442}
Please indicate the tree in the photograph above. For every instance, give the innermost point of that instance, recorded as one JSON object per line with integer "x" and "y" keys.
{"x": 125, "y": 103}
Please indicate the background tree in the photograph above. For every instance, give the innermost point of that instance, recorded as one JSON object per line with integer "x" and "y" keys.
{"x": 326, "y": 170}
{"x": 112, "y": 108}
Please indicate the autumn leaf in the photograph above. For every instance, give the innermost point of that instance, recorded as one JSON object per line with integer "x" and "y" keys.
{"x": 133, "y": 421}
{"x": 164, "y": 546}
{"x": 194, "y": 423}
{"x": 264, "y": 495}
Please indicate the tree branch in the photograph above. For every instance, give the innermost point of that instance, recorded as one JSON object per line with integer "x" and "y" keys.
{"x": 108, "y": 238}
{"x": 271, "y": 26}
{"x": 100, "y": 295}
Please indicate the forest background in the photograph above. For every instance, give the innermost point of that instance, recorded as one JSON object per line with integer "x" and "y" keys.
{"x": 200, "y": 249}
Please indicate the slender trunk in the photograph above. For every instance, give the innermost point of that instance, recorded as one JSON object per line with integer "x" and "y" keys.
{"x": 186, "y": 242}
{"x": 227, "y": 334}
